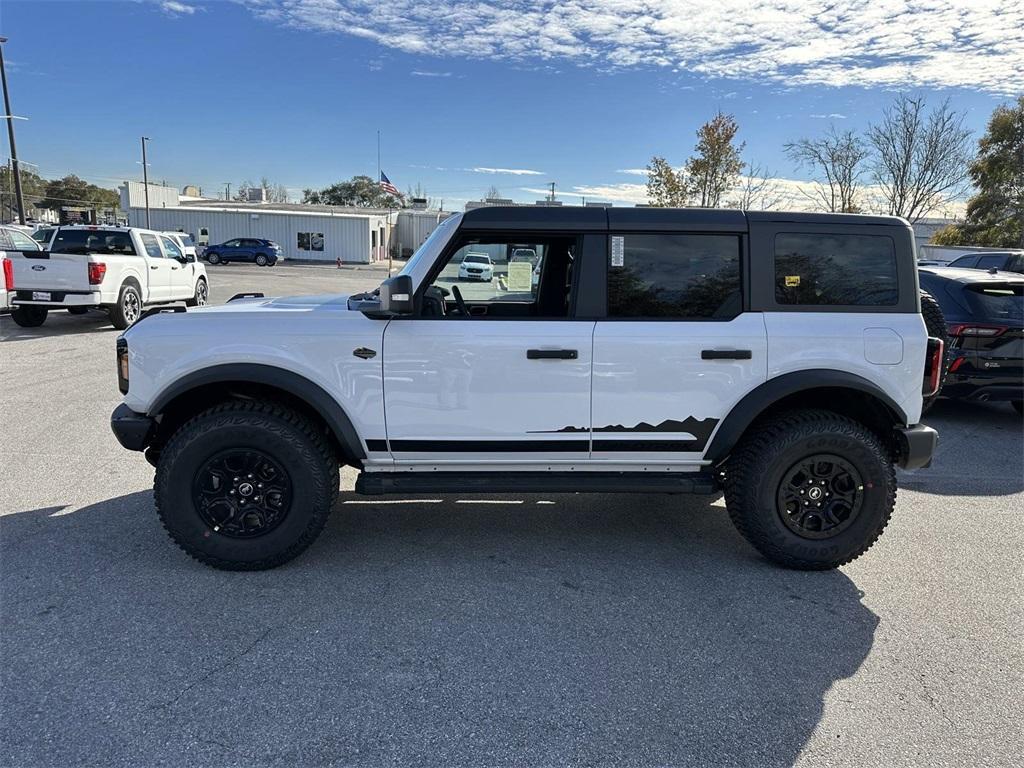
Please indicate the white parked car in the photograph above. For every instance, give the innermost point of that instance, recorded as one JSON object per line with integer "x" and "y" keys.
{"x": 184, "y": 241}
{"x": 118, "y": 269}
{"x": 476, "y": 266}
{"x": 676, "y": 351}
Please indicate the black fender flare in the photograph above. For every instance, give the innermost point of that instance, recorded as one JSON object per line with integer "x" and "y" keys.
{"x": 755, "y": 402}
{"x": 280, "y": 378}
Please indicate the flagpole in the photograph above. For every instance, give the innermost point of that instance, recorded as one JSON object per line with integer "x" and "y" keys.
{"x": 378, "y": 156}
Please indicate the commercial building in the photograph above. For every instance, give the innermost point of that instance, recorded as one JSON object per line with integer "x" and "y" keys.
{"x": 304, "y": 232}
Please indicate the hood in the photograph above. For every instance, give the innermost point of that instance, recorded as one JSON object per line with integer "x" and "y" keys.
{"x": 325, "y": 302}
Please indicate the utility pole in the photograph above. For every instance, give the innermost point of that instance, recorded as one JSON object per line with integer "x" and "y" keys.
{"x": 552, "y": 185}
{"x": 145, "y": 178}
{"x": 227, "y": 190}
{"x": 16, "y": 170}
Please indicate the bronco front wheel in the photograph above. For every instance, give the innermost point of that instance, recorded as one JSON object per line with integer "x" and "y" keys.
{"x": 246, "y": 485}
{"x": 810, "y": 489}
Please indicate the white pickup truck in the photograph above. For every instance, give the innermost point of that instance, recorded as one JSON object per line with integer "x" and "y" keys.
{"x": 117, "y": 269}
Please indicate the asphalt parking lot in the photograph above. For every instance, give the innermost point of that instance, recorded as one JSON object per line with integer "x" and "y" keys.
{"x": 535, "y": 630}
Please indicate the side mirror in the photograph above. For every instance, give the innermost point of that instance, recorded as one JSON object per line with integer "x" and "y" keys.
{"x": 396, "y": 296}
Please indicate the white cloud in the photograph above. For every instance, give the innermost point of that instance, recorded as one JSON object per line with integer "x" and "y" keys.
{"x": 633, "y": 171}
{"x": 829, "y": 116}
{"x": 894, "y": 44}
{"x": 422, "y": 73}
{"x": 508, "y": 171}
{"x": 177, "y": 8}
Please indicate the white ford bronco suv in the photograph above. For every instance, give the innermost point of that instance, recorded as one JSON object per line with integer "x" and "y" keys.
{"x": 780, "y": 357}
{"x": 120, "y": 270}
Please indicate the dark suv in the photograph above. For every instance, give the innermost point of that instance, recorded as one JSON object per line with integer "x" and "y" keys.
{"x": 1005, "y": 261}
{"x": 984, "y": 314}
{"x": 262, "y": 252}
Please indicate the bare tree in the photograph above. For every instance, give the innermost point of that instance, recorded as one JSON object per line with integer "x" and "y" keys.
{"x": 666, "y": 187}
{"x": 716, "y": 167}
{"x": 757, "y": 190}
{"x": 273, "y": 193}
{"x": 921, "y": 157}
{"x": 493, "y": 193}
{"x": 837, "y": 161}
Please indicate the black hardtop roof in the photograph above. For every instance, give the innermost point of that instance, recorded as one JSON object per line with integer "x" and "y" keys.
{"x": 967, "y": 275}
{"x": 591, "y": 219}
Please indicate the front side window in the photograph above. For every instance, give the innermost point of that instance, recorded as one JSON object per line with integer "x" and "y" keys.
{"x": 835, "y": 270}
{"x": 493, "y": 283}
{"x": 84, "y": 241}
{"x": 172, "y": 250}
{"x": 152, "y": 246}
{"x": 685, "y": 277}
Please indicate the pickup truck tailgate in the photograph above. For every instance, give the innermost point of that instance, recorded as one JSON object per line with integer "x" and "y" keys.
{"x": 41, "y": 271}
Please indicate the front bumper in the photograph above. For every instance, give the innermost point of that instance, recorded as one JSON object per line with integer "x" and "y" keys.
{"x": 916, "y": 446}
{"x": 132, "y": 430}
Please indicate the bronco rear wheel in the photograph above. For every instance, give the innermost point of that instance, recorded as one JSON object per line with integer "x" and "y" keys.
{"x": 810, "y": 489}
{"x": 246, "y": 485}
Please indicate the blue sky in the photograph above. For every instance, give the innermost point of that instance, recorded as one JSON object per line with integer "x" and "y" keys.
{"x": 578, "y": 92}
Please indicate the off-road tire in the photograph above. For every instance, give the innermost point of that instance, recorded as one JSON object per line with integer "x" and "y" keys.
{"x": 757, "y": 467}
{"x": 290, "y": 439}
{"x": 77, "y": 310}
{"x": 935, "y": 322}
{"x": 119, "y": 313}
{"x": 198, "y": 300}
{"x": 28, "y": 316}
{"x": 1018, "y": 406}
{"x": 261, "y": 260}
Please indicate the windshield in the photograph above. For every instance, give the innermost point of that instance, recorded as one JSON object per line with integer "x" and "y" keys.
{"x": 84, "y": 241}
{"x": 441, "y": 233}
{"x": 474, "y": 259}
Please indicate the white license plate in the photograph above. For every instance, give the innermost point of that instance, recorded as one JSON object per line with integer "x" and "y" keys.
{"x": 40, "y": 295}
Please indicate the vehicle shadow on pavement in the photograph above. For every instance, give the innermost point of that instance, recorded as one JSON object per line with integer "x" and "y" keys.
{"x": 599, "y": 630}
{"x": 980, "y": 451}
{"x": 57, "y": 324}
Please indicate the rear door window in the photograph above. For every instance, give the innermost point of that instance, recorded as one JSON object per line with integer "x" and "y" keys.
{"x": 21, "y": 241}
{"x": 683, "y": 277}
{"x": 835, "y": 270}
{"x": 993, "y": 261}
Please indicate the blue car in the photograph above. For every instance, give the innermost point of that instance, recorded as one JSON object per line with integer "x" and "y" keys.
{"x": 263, "y": 253}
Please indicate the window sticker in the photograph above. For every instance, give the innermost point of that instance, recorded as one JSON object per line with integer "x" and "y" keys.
{"x": 618, "y": 251}
{"x": 520, "y": 276}
{"x": 792, "y": 281}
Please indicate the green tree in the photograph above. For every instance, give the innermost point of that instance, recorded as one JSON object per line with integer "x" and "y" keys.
{"x": 716, "y": 167}
{"x": 33, "y": 189}
{"x": 359, "y": 191}
{"x": 73, "y": 191}
{"x": 995, "y": 215}
{"x": 666, "y": 187}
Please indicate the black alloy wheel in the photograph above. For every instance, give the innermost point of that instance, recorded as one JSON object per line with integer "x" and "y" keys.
{"x": 242, "y": 493}
{"x": 820, "y": 496}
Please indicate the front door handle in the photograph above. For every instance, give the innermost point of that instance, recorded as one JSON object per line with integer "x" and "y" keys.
{"x": 725, "y": 354}
{"x": 552, "y": 354}
{"x": 154, "y": 266}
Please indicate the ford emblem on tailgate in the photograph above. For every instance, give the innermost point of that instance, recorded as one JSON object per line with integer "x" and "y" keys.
{"x": 38, "y": 268}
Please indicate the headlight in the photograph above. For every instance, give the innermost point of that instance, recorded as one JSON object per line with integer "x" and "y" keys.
{"x": 122, "y": 365}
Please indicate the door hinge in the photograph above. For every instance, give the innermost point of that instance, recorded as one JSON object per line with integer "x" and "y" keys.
{"x": 364, "y": 353}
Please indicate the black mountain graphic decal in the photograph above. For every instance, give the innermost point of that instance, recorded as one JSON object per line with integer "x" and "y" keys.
{"x": 701, "y": 429}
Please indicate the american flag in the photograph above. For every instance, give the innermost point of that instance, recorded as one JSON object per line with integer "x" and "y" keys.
{"x": 387, "y": 186}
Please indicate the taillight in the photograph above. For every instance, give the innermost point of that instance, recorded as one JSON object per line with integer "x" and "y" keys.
{"x": 97, "y": 269}
{"x": 933, "y": 366}
{"x": 956, "y": 364}
{"x": 970, "y": 329}
{"x": 8, "y": 274}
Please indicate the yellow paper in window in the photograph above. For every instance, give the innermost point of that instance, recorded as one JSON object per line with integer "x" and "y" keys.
{"x": 792, "y": 281}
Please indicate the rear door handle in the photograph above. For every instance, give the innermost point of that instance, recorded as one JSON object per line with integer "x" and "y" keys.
{"x": 552, "y": 354}
{"x": 725, "y": 354}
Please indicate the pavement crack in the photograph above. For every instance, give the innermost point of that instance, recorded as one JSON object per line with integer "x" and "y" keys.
{"x": 232, "y": 661}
